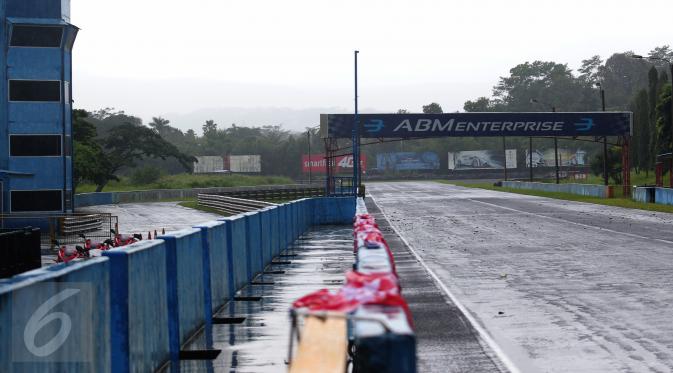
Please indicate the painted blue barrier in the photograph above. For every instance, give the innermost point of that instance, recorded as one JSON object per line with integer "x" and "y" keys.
{"x": 334, "y": 210}
{"x": 237, "y": 241}
{"x": 644, "y": 194}
{"x": 275, "y": 231}
{"x": 265, "y": 216}
{"x": 143, "y": 312}
{"x": 93, "y": 199}
{"x": 77, "y": 292}
{"x": 590, "y": 190}
{"x": 185, "y": 274}
{"x": 663, "y": 196}
{"x": 138, "y": 305}
{"x": 254, "y": 239}
{"x": 215, "y": 236}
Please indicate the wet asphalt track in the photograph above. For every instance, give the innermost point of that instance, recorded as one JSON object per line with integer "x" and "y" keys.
{"x": 557, "y": 286}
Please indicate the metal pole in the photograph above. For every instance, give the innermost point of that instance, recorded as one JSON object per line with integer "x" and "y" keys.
{"x": 553, "y": 109}
{"x": 670, "y": 65}
{"x": 356, "y": 134}
{"x": 308, "y": 134}
{"x": 606, "y": 179}
{"x": 530, "y": 157}
{"x": 504, "y": 150}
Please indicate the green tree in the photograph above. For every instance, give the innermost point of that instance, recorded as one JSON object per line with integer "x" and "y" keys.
{"x": 432, "y": 108}
{"x": 640, "y": 150}
{"x": 481, "y": 104}
{"x": 614, "y": 164}
{"x": 663, "y": 123}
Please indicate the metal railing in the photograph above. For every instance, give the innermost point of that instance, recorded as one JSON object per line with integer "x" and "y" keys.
{"x": 276, "y": 193}
{"x": 64, "y": 228}
{"x": 231, "y": 205}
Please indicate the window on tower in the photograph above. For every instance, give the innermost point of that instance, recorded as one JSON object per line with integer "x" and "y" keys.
{"x": 36, "y": 200}
{"x": 36, "y": 36}
{"x": 35, "y": 145}
{"x": 35, "y": 90}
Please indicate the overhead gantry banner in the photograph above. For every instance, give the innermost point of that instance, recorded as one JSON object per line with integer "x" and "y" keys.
{"x": 549, "y": 124}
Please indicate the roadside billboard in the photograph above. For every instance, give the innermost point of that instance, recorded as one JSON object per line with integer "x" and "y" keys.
{"x": 317, "y": 164}
{"x": 245, "y": 163}
{"x": 566, "y": 157}
{"x": 208, "y": 164}
{"x": 407, "y": 161}
{"x": 482, "y": 160}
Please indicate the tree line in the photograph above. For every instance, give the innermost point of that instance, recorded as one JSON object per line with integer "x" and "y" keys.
{"x": 110, "y": 143}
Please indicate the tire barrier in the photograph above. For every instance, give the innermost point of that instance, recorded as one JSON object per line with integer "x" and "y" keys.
{"x": 135, "y": 308}
{"x": 380, "y": 326}
{"x": 20, "y": 250}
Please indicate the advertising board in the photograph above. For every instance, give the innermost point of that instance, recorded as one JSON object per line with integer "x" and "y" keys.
{"x": 567, "y": 157}
{"x": 317, "y": 163}
{"x": 482, "y": 159}
{"x": 407, "y": 161}
{"x": 208, "y": 164}
{"x": 245, "y": 163}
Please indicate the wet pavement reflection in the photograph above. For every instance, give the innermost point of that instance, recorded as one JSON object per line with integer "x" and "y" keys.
{"x": 318, "y": 259}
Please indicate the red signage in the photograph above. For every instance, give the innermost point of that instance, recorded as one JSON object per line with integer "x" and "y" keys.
{"x": 317, "y": 164}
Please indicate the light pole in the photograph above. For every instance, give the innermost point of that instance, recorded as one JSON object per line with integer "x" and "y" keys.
{"x": 308, "y": 135}
{"x": 670, "y": 67}
{"x": 356, "y": 134}
{"x": 553, "y": 109}
{"x": 606, "y": 179}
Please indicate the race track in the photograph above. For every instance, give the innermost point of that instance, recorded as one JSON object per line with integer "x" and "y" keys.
{"x": 554, "y": 286}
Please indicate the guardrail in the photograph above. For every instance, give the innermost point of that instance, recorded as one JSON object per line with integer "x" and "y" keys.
{"x": 231, "y": 205}
{"x": 262, "y": 192}
{"x": 591, "y": 190}
{"x": 135, "y": 308}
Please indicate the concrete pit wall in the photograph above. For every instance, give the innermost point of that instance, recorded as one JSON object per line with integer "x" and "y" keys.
{"x": 589, "y": 190}
{"x": 147, "y": 299}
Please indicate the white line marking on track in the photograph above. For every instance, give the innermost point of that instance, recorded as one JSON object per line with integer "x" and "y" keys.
{"x": 575, "y": 223}
{"x": 504, "y": 359}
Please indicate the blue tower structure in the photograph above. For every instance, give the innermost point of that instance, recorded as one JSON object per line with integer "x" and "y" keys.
{"x": 36, "y": 107}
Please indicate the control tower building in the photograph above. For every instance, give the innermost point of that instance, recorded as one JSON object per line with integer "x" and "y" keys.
{"x": 36, "y": 107}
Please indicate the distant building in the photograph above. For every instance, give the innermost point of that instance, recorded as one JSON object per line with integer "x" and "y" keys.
{"x": 36, "y": 106}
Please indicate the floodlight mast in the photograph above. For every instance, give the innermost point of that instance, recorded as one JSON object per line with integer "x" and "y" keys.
{"x": 356, "y": 135}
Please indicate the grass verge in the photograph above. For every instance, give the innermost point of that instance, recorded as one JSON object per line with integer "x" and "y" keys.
{"x": 618, "y": 202}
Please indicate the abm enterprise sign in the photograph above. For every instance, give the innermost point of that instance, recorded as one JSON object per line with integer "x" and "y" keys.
{"x": 479, "y": 124}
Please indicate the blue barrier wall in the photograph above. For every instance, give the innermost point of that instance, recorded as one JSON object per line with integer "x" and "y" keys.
{"x": 148, "y": 298}
{"x": 237, "y": 241}
{"x": 78, "y": 293}
{"x": 215, "y": 235}
{"x": 266, "y": 227}
{"x": 189, "y": 271}
{"x": 333, "y": 210}
{"x": 275, "y": 231}
{"x": 138, "y": 305}
{"x": 644, "y": 194}
{"x": 254, "y": 238}
{"x": 589, "y": 190}
{"x": 663, "y": 196}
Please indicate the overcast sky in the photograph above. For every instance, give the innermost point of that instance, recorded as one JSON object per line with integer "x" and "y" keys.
{"x": 176, "y": 57}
